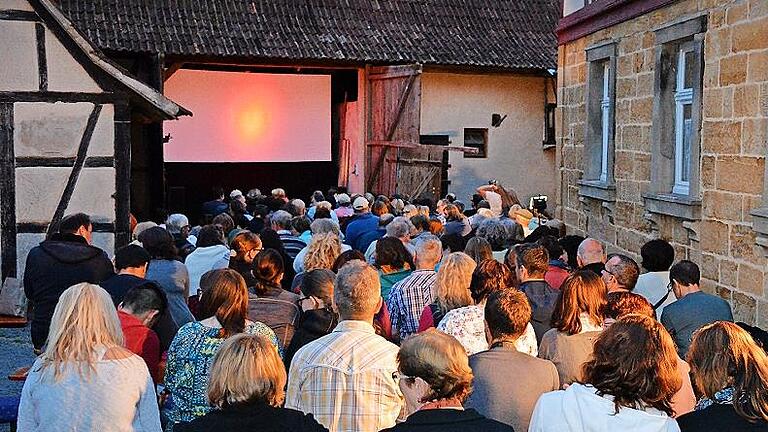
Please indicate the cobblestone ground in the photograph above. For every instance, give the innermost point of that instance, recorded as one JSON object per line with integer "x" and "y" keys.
{"x": 15, "y": 352}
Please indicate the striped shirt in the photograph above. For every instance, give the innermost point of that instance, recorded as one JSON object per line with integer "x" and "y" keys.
{"x": 292, "y": 244}
{"x": 407, "y": 299}
{"x": 345, "y": 380}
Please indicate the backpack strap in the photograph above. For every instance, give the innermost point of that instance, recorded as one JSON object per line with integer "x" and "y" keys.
{"x": 661, "y": 302}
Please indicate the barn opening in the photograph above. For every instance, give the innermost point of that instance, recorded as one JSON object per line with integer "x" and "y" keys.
{"x": 252, "y": 128}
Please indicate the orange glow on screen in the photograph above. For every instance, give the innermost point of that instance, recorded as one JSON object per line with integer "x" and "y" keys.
{"x": 247, "y": 117}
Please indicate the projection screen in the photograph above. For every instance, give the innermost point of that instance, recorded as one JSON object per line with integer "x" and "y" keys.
{"x": 249, "y": 117}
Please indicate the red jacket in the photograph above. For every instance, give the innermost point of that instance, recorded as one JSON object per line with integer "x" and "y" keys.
{"x": 555, "y": 276}
{"x": 142, "y": 341}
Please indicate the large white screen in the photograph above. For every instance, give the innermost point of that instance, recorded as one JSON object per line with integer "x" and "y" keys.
{"x": 249, "y": 117}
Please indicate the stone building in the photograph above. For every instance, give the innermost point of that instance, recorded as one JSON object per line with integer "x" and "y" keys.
{"x": 662, "y": 130}
{"x": 66, "y": 119}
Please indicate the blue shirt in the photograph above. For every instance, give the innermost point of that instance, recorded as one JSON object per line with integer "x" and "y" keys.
{"x": 691, "y": 313}
{"x": 360, "y": 225}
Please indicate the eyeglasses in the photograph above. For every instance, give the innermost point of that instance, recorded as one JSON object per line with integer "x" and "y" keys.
{"x": 605, "y": 270}
{"x": 397, "y": 376}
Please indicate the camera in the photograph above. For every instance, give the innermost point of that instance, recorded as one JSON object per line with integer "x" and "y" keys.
{"x": 538, "y": 203}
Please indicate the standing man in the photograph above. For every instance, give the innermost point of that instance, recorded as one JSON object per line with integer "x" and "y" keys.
{"x": 590, "y": 255}
{"x": 66, "y": 259}
{"x": 693, "y": 309}
{"x": 345, "y": 378}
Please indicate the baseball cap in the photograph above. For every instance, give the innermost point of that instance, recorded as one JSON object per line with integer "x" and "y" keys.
{"x": 342, "y": 198}
{"x": 235, "y": 193}
{"x": 360, "y": 203}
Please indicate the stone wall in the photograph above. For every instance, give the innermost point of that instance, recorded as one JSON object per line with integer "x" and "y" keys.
{"x": 733, "y": 146}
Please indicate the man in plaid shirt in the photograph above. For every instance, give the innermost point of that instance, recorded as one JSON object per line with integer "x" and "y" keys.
{"x": 409, "y": 296}
{"x": 345, "y": 379}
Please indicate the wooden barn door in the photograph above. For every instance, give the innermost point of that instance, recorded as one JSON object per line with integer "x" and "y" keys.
{"x": 394, "y": 104}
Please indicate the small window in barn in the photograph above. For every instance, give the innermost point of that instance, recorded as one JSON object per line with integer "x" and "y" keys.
{"x": 675, "y": 187}
{"x": 476, "y": 138}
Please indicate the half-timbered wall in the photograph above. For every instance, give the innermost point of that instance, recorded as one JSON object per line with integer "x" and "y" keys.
{"x": 59, "y": 132}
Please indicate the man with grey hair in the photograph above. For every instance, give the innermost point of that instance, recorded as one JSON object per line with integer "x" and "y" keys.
{"x": 345, "y": 378}
{"x": 319, "y": 226}
{"x": 178, "y": 225}
{"x": 408, "y": 297}
{"x": 620, "y": 273}
{"x": 399, "y": 228}
{"x": 281, "y": 223}
{"x": 591, "y": 256}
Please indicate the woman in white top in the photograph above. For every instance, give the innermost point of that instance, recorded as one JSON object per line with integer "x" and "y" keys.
{"x": 628, "y": 384}
{"x": 85, "y": 380}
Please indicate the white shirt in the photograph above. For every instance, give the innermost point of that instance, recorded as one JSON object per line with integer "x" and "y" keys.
{"x": 494, "y": 200}
{"x": 653, "y": 286}
{"x": 119, "y": 396}
{"x": 467, "y": 325}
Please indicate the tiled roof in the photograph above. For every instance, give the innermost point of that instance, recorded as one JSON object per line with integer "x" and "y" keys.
{"x": 507, "y": 34}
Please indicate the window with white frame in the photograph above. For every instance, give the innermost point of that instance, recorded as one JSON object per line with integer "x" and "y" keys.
{"x": 597, "y": 181}
{"x": 605, "y": 121}
{"x": 683, "y": 118}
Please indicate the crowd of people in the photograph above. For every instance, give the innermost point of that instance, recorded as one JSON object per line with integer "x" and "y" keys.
{"x": 364, "y": 313}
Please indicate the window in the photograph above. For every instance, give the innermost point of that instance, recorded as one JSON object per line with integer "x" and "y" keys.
{"x": 476, "y": 138}
{"x": 597, "y": 181}
{"x": 549, "y": 124}
{"x": 676, "y": 123}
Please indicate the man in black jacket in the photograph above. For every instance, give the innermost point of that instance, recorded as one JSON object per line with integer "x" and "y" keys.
{"x": 65, "y": 259}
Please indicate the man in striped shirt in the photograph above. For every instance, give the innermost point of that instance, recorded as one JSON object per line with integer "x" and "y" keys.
{"x": 409, "y": 296}
{"x": 345, "y": 378}
{"x": 281, "y": 223}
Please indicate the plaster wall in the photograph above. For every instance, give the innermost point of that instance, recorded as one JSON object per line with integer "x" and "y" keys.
{"x": 64, "y": 72}
{"x": 452, "y": 102}
{"x": 55, "y": 129}
{"x": 16, "y": 5}
{"x": 38, "y": 191}
{"x": 18, "y": 54}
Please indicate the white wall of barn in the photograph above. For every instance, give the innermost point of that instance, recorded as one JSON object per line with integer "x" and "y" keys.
{"x": 516, "y": 158}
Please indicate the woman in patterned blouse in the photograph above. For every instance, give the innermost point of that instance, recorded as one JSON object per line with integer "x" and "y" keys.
{"x": 225, "y": 304}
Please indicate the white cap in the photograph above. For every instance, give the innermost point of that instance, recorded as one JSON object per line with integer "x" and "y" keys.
{"x": 342, "y": 198}
{"x": 235, "y": 193}
{"x": 360, "y": 203}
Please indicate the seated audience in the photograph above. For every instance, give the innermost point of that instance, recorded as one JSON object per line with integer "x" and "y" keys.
{"x": 245, "y": 246}
{"x": 170, "y": 274}
{"x": 576, "y": 322}
{"x": 317, "y": 317}
{"x": 63, "y": 260}
{"x": 532, "y": 261}
{"x": 623, "y": 303}
{"x": 408, "y": 297}
{"x": 479, "y": 249}
{"x": 399, "y": 228}
{"x": 435, "y": 378}
{"x": 318, "y": 226}
{"x": 362, "y": 222}
{"x": 335, "y": 376}
{"x": 620, "y": 273}
{"x": 224, "y": 308}
{"x": 497, "y": 235}
{"x": 211, "y": 253}
{"x": 246, "y": 390}
{"x": 627, "y": 385}
{"x": 507, "y": 382}
{"x": 570, "y": 244}
{"x": 694, "y": 308}
{"x": 590, "y": 255}
{"x": 393, "y": 262}
{"x": 467, "y": 324}
{"x": 322, "y": 252}
{"x": 226, "y": 223}
{"x": 558, "y": 269}
{"x": 178, "y": 225}
{"x": 281, "y": 224}
{"x": 217, "y": 205}
{"x": 139, "y": 310}
{"x": 456, "y": 222}
{"x": 131, "y": 263}
{"x": 451, "y": 289}
{"x": 658, "y": 256}
{"x": 268, "y": 302}
{"x": 730, "y": 371}
{"x": 85, "y": 380}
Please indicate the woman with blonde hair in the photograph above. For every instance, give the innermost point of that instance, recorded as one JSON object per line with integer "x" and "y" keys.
{"x": 246, "y": 390}
{"x": 451, "y": 289}
{"x": 224, "y": 308}
{"x": 730, "y": 372}
{"x": 627, "y": 384}
{"x": 321, "y": 253}
{"x": 434, "y": 375}
{"x": 577, "y": 321}
{"x": 85, "y": 379}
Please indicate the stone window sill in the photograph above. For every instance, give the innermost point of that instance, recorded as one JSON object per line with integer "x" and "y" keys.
{"x": 679, "y": 206}
{"x": 598, "y": 190}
